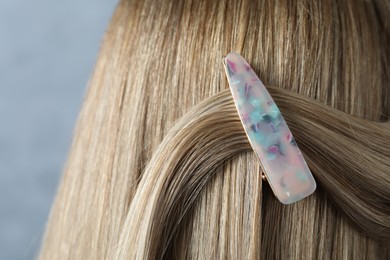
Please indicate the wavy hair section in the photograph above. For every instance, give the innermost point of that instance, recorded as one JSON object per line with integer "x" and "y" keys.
{"x": 210, "y": 134}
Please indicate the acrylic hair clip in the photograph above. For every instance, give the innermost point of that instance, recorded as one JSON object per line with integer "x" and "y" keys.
{"x": 280, "y": 158}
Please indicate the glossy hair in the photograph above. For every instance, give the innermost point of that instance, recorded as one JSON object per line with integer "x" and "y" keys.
{"x": 160, "y": 167}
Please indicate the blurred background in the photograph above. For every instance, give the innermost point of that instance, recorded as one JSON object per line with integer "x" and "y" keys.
{"x": 47, "y": 53}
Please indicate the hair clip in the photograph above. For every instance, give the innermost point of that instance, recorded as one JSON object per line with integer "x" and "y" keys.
{"x": 280, "y": 158}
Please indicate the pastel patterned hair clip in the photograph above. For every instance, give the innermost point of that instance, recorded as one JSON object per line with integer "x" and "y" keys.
{"x": 280, "y": 158}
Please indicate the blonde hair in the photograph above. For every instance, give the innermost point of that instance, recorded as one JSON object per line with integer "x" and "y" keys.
{"x": 160, "y": 166}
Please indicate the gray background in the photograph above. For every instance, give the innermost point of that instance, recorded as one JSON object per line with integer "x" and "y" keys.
{"x": 47, "y": 52}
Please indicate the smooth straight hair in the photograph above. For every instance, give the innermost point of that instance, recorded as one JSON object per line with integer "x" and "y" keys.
{"x": 160, "y": 166}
